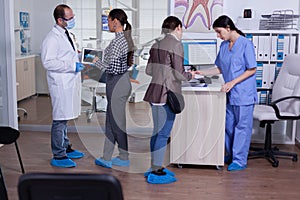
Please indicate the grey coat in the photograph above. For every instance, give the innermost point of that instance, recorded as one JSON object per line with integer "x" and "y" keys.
{"x": 165, "y": 66}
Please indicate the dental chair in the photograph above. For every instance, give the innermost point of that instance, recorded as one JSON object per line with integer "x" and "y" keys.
{"x": 285, "y": 106}
{"x": 96, "y": 83}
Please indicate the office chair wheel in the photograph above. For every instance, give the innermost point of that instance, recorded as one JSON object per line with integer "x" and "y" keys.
{"x": 295, "y": 158}
{"x": 275, "y": 163}
{"x": 179, "y": 166}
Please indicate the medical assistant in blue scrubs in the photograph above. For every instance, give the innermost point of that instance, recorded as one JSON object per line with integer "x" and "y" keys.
{"x": 237, "y": 63}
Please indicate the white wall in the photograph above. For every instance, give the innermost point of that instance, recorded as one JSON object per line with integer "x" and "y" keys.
{"x": 42, "y": 21}
{"x": 41, "y": 18}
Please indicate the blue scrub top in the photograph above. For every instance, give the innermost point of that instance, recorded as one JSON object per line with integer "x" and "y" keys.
{"x": 234, "y": 63}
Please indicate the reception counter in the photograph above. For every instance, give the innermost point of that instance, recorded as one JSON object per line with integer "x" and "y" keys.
{"x": 199, "y": 131}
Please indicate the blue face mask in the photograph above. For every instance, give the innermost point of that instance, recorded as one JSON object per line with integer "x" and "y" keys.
{"x": 70, "y": 23}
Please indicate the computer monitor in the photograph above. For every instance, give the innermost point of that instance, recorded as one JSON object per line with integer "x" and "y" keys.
{"x": 199, "y": 51}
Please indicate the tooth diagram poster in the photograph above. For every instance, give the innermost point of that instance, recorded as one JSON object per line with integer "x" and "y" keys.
{"x": 197, "y": 15}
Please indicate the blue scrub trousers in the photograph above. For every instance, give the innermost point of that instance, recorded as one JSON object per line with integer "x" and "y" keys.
{"x": 163, "y": 120}
{"x": 239, "y": 121}
{"x": 59, "y": 138}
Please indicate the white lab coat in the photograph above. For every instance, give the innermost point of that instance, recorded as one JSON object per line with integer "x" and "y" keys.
{"x": 59, "y": 58}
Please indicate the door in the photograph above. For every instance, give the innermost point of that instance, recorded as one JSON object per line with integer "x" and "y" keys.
{"x": 8, "y": 99}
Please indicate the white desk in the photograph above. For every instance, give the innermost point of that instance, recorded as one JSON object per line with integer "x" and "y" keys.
{"x": 199, "y": 131}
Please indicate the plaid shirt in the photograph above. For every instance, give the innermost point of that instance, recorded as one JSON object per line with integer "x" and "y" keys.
{"x": 115, "y": 56}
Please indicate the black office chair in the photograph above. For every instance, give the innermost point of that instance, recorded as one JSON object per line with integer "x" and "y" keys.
{"x": 285, "y": 106}
{"x": 3, "y": 192}
{"x": 46, "y": 186}
{"x": 9, "y": 135}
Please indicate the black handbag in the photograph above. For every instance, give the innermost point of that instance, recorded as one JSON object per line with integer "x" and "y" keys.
{"x": 174, "y": 100}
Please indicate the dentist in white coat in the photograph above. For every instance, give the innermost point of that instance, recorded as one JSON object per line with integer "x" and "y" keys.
{"x": 61, "y": 60}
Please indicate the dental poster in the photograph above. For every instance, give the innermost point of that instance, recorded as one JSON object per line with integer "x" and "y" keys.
{"x": 197, "y": 15}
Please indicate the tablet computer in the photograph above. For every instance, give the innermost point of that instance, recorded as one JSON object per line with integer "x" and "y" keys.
{"x": 88, "y": 55}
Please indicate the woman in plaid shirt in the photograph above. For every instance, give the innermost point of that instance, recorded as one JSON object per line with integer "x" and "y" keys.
{"x": 118, "y": 57}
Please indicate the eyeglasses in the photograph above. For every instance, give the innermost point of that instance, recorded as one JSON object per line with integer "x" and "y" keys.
{"x": 68, "y": 19}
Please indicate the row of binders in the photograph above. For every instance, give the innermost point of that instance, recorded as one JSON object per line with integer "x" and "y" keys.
{"x": 264, "y": 96}
{"x": 266, "y": 74}
{"x": 273, "y": 47}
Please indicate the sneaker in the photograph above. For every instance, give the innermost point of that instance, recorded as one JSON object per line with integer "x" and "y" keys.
{"x": 65, "y": 163}
{"x": 73, "y": 154}
{"x": 103, "y": 163}
{"x": 160, "y": 179}
{"x": 235, "y": 167}
{"x": 119, "y": 162}
{"x": 163, "y": 169}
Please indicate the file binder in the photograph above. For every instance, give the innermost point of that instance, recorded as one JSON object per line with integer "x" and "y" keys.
{"x": 274, "y": 48}
{"x": 277, "y": 69}
{"x": 280, "y": 47}
{"x": 269, "y": 94}
{"x": 286, "y": 48}
{"x": 265, "y": 76}
{"x": 293, "y": 44}
{"x": 271, "y": 79}
{"x": 263, "y": 97}
{"x": 255, "y": 43}
{"x": 259, "y": 74}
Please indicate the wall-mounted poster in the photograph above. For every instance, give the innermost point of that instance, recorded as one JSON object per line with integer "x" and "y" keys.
{"x": 24, "y": 19}
{"x": 24, "y": 32}
{"x": 197, "y": 15}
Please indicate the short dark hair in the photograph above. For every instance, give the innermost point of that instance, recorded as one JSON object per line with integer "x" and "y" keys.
{"x": 170, "y": 24}
{"x": 225, "y": 22}
{"x": 59, "y": 11}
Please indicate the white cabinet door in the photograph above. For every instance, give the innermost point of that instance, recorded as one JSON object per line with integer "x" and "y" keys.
{"x": 25, "y": 76}
{"x": 199, "y": 131}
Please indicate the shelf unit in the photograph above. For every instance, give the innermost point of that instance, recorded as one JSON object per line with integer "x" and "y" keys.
{"x": 271, "y": 47}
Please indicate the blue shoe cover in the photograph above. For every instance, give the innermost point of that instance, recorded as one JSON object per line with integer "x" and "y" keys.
{"x": 160, "y": 179}
{"x": 227, "y": 160}
{"x": 66, "y": 163}
{"x": 75, "y": 154}
{"x": 103, "y": 163}
{"x": 235, "y": 167}
{"x": 119, "y": 162}
{"x": 164, "y": 170}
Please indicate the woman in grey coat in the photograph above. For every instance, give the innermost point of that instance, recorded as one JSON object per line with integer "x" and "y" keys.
{"x": 165, "y": 66}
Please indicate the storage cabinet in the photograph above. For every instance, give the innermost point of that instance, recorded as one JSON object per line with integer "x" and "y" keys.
{"x": 198, "y": 134}
{"x": 271, "y": 47}
{"x": 25, "y": 75}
